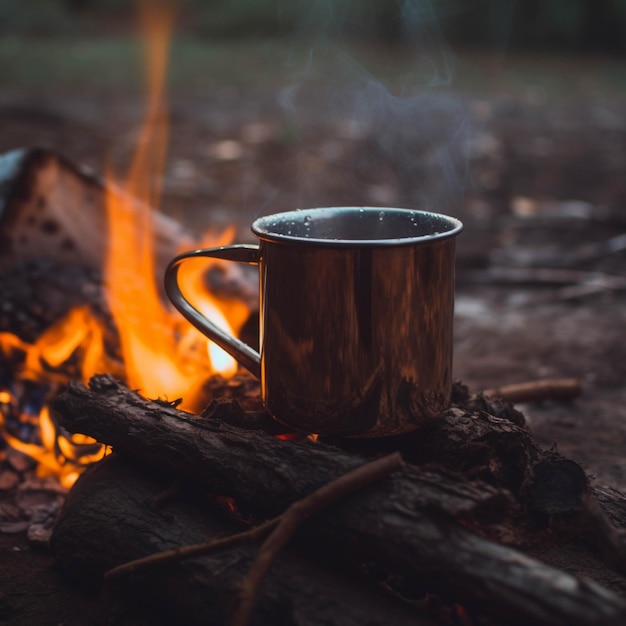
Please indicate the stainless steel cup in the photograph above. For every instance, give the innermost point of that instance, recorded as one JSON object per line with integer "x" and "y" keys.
{"x": 356, "y": 307}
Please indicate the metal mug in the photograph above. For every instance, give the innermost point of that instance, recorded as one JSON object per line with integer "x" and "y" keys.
{"x": 356, "y": 308}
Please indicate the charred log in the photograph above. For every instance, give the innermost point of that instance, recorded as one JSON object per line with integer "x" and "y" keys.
{"x": 37, "y": 294}
{"x": 52, "y": 209}
{"x": 112, "y": 516}
{"x": 54, "y": 214}
{"x": 487, "y": 439}
{"x": 408, "y": 525}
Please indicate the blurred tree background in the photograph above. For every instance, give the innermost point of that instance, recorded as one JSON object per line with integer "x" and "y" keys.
{"x": 576, "y": 26}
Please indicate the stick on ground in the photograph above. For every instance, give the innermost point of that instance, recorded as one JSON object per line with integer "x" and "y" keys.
{"x": 536, "y": 390}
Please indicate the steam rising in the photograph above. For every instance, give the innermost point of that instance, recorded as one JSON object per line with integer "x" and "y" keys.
{"x": 411, "y": 121}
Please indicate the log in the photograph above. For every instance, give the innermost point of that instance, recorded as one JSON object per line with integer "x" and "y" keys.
{"x": 51, "y": 209}
{"x": 229, "y": 460}
{"x": 54, "y": 244}
{"x": 478, "y": 437}
{"x": 111, "y": 517}
{"x": 407, "y": 525}
{"x": 484, "y": 438}
{"x": 37, "y": 294}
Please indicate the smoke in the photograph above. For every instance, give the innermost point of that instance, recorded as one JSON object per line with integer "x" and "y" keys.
{"x": 414, "y": 122}
{"x": 424, "y": 137}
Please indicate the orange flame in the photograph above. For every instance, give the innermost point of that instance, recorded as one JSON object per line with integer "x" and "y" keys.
{"x": 149, "y": 333}
{"x": 162, "y": 354}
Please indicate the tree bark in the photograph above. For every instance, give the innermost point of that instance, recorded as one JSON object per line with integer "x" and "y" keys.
{"x": 406, "y": 524}
{"x": 112, "y": 516}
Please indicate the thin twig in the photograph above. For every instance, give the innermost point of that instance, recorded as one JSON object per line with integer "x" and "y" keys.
{"x": 299, "y": 511}
{"x": 189, "y": 552}
{"x": 536, "y": 390}
{"x": 296, "y": 515}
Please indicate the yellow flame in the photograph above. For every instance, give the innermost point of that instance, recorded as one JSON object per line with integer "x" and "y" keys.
{"x": 226, "y": 315}
{"x": 163, "y": 355}
{"x": 149, "y": 333}
{"x": 50, "y": 463}
{"x": 78, "y": 331}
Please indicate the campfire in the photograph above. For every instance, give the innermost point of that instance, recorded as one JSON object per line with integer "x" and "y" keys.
{"x": 139, "y": 338}
{"x": 193, "y": 492}
{"x": 435, "y": 531}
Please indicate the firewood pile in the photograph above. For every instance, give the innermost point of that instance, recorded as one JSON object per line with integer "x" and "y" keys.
{"x": 450, "y": 522}
{"x": 226, "y": 517}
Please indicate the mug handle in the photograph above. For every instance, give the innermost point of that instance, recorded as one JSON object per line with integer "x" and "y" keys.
{"x": 241, "y": 253}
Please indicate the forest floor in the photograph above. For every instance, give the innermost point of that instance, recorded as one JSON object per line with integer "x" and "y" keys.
{"x": 530, "y": 153}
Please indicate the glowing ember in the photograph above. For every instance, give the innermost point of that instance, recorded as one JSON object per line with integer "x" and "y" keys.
{"x": 162, "y": 355}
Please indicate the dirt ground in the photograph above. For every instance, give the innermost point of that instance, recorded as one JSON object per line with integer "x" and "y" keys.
{"x": 539, "y": 181}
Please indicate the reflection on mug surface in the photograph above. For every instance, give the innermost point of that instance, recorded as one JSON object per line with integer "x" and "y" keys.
{"x": 356, "y": 307}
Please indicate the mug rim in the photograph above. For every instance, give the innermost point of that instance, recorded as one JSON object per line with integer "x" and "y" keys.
{"x": 261, "y": 227}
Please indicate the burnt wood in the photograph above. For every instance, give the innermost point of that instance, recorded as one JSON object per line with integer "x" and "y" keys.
{"x": 487, "y": 439}
{"x": 407, "y": 525}
{"x": 37, "y": 294}
{"x": 53, "y": 247}
{"x": 52, "y": 209}
{"x": 115, "y": 513}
